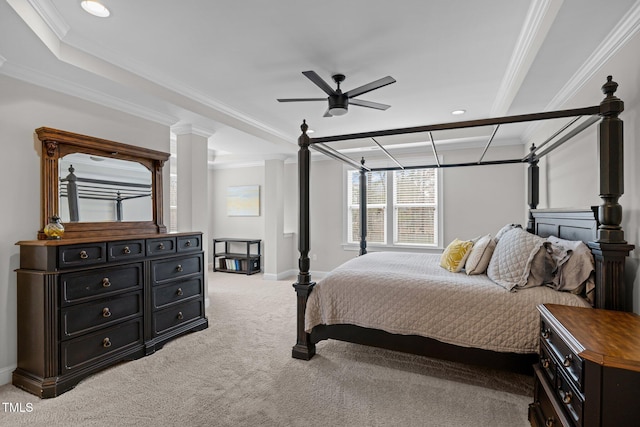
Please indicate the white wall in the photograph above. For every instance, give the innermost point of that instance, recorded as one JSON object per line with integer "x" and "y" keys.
{"x": 241, "y": 227}
{"x": 23, "y": 108}
{"x": 476, "y": 200}
{"x": 572, "y": 178}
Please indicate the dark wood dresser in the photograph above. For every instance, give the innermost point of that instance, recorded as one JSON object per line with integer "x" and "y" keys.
{"x": 589, "y": 370}
{"x": 87, "y": 303}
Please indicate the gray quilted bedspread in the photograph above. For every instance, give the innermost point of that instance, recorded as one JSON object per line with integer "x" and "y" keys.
{"x": 410, "y": 294}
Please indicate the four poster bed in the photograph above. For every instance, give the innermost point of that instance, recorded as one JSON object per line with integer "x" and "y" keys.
{"x": 372, "y": 299}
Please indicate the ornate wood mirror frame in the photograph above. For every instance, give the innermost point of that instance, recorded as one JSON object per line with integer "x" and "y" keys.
{"x": 57, "y": 143}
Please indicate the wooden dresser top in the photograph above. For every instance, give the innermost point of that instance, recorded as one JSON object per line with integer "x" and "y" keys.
{"x": 606, "y": 337}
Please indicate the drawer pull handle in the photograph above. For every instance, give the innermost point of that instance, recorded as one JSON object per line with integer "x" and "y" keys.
{"x": 179, "y": 292}
{"x": 188, "y": 244}
{"x": 180, "y": 315}
{"x": 106, "y": 312}
{"x": 568, "y": 359}
{"x": 545, "y": 363}
{"x": 545, "y": 333}
{"x": 105, "y": 282}
{"x": 84, "y": 255}
{"x": 126, "y": 250}
{"x": 161, "y": 246}
{"x": 566, "y": 398}
{"x": 550, "y": 422}
{"x": 106, "y": 343}
{"x": 179, "y": 268}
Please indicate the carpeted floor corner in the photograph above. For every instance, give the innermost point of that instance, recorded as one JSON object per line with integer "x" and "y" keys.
{"x": 239, "y": 372}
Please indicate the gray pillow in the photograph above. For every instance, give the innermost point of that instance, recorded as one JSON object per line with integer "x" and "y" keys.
{"x": 511, "y": 261}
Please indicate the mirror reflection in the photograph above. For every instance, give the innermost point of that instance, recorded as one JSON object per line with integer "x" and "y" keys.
{"x": 100, "y": 189}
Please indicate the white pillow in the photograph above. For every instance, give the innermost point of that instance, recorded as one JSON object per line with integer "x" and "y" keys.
{"x": 478, "y": 260}
{"x": 511, "y": 261}
{"x": 504, "y": 229}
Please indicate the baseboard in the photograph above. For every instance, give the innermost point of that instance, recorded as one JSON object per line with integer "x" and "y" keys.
{"x": 280, "y": 276}
{"x": 6, "y": 373}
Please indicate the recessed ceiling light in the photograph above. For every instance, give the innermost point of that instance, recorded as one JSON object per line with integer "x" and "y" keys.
{"x": 95, "y": 8}
{"x": 310, "y": 131}
{"x": 458, "y": 112}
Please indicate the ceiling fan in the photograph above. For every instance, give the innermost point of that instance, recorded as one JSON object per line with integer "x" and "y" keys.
{"x": 338, "y": 101}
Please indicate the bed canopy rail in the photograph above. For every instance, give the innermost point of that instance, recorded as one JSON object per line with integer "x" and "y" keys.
{"x": 609, "y": 248}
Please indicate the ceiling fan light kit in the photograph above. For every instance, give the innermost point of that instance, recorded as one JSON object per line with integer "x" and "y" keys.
{"x": 338, "y": 101}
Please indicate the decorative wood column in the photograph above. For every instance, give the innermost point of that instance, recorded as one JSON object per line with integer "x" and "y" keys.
{"x": 610, "y": 249}
{"x": 363, "y": 209}
{"x": 304, "y": 348}
{"x": 533, "y": 182}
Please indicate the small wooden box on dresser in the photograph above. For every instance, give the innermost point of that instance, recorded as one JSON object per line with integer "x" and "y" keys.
{"x": 589, "y": 370}
{"x": 87, "y": 303}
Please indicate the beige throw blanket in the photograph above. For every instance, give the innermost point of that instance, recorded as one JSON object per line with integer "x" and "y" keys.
{"x": 410, "y": 294}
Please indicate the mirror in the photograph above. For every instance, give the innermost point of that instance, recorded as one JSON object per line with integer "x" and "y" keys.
{"x": 100, "y": 187}
{"x": 95, "y": 189}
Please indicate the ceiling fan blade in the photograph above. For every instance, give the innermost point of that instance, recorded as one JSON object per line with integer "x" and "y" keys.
{"x": 369, "y": 104}
{"x": 300, "y": 99}
{"x": 314, "y": 77}
{"x": 370, "y": 86}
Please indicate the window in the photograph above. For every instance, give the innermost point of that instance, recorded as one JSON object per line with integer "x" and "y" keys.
{"x": 402, "y": 204}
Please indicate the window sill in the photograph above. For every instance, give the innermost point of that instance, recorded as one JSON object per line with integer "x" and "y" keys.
{"x": 396, "y": 248}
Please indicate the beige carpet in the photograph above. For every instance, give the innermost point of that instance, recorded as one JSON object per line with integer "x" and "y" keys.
{"x": 239, "y": 372}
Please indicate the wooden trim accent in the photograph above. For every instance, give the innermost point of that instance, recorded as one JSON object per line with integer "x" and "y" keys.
{"x": 58, "y": 143}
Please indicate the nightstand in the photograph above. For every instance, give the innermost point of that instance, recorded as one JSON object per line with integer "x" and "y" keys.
{"x": 589, "y": 370}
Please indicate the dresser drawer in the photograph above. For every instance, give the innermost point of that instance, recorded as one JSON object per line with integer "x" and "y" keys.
{"x": 81, "y": 255}
{"x": 165, "y": 245}
{"x": 124, "y": 250}
{"x": 175, "y": 268}
{"x": 568, "y": 361}
{"x": 174, "y": 316}
{"x": 89, "y": 349}
{"x": 97, "y": 283}
{"x": 548, "y": 363}
{"x": 176, "y": 291}
{"x": 83, "y": 318}
{"x": 189, "y": 243}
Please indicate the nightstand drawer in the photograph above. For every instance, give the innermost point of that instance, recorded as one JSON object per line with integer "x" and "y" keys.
{"x": 568, "y": 361}
{"x": 571, "y": 399}
{"x": 547, "y": 363}
{"x": 84, "y": 318}
{"x": 543, "y": 412}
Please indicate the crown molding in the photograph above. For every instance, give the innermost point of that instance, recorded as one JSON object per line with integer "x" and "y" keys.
{"x": 51, "y": 17}
{"x": 189, "y": 129}
{"x": 624, "y": 31}
{"x": 56, "y": 24}
{"x": 72, "y": 88}
{"x": 539, "y": 19}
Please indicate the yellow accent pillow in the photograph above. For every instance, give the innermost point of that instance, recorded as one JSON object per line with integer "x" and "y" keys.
{"x": 455, "y": 255}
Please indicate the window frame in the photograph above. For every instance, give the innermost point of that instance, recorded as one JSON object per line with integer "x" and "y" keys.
{"x": 390, "y": 213}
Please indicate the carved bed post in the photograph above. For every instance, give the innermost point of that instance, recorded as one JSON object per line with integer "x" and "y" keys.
{"x": 363, "y": 209}
{"x": 304, "y": 348}
{"x": 533, "y": 195}
{"x": 611, "y": 249}
{"x": 72, "y": 195}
